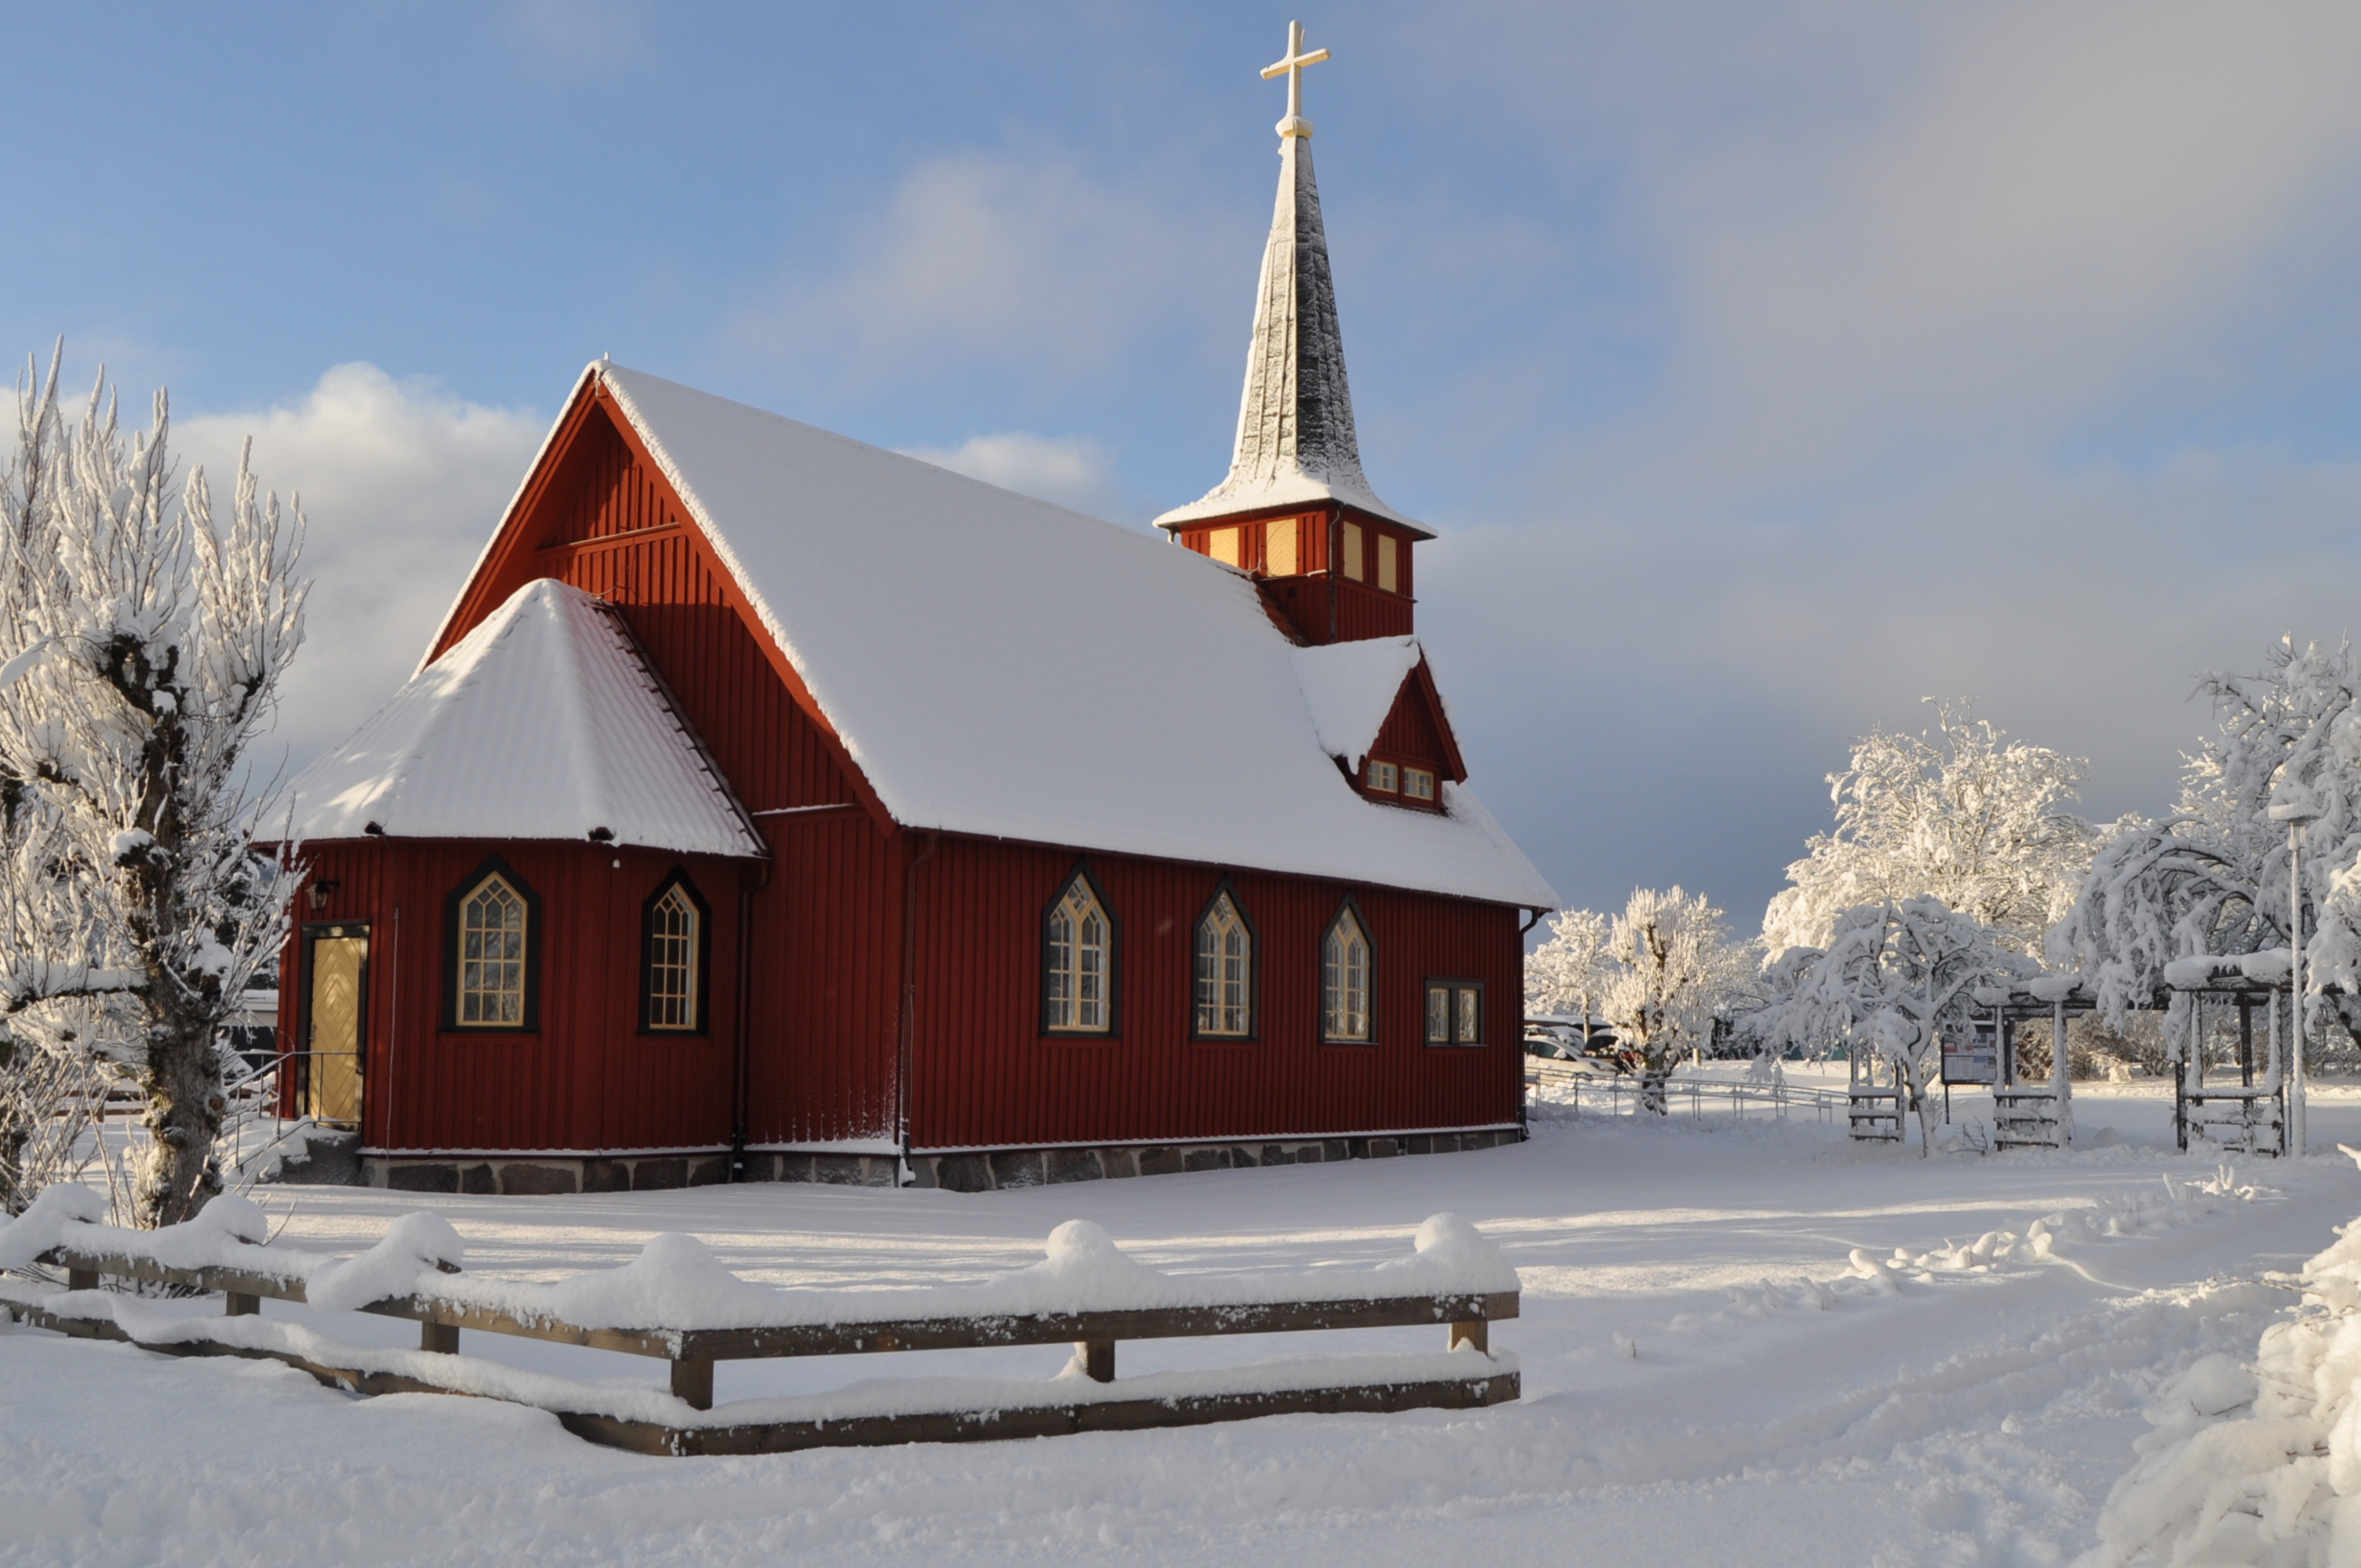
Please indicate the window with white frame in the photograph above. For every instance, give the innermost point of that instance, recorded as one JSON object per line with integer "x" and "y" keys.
{"x": 1077, "y": 990}
{"x": 1384, "y": 777}
{"x": 1344, "y": 966}
{"x": 1418, "y": 784}
{"x": 492, "y": 936}
{"x": 1224, "y": 971}
{"x": 675, "y": 949}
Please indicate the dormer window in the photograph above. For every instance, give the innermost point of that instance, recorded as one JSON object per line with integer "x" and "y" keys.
{"x": 1384, "y": 777}
{"x": 1418, "y": 785}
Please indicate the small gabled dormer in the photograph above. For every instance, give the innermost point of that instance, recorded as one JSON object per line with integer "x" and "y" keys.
{"x": 1380, "y": 715}
{"x": 1296, "y": 511}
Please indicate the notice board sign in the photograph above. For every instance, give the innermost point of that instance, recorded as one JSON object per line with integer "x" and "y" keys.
{"x": 1975, "y": 1059}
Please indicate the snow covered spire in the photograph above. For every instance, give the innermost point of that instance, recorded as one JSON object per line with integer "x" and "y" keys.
{"x": 1295, "y": 440}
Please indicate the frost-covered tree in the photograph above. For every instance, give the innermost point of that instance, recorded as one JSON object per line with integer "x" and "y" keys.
{"x": 1895, "y": 978}
{"x": 1676, "y": 971}
{"x": 2212, "y": 879}
{"x": 1963, "y": 813}
{"x": 1570, "y": 971}
{"x": 141, "y": 646}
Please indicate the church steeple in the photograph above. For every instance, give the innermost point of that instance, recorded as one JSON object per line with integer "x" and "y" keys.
{"x": 1296, "y": 448}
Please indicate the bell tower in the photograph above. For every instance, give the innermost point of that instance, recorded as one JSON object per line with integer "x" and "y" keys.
{"x": 1331, "y": 559}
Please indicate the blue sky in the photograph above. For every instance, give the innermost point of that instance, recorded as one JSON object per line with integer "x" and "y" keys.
{"x": 1764, "y": 368}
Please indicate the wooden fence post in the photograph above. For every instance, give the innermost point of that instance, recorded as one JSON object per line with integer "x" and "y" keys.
{"x": 692, "y": 1384}
{"x": 1098, "y": 1359}
{"x": 238, "y": 1304}
{"x": 1477, "y": 1335}
{"x": 441, "y": 1338}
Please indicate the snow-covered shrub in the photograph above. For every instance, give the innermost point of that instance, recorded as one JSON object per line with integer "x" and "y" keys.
{"x": 2254, "y": 1463}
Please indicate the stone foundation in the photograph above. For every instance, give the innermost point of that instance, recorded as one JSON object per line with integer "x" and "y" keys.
{"x": 983, "y": 1171}
{"x": 528, "y": 1176}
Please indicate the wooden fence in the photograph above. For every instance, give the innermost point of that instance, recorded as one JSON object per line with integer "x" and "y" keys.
{"x": 1011, "y": 1408}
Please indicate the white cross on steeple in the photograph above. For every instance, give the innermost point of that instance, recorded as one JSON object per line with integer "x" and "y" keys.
{"x": 1295, "y": 124}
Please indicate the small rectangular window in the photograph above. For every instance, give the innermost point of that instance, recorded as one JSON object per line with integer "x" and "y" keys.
{"x": 1418, "y": 784}
{"x": 1454, "y": 1013}
{"x": 1222, "y": 544}
{"x": 1353, "y": 551}
{"x": 1278, "y": 547}
{"x": 1382, "y": 776}
{"x": 1389, "y": 565}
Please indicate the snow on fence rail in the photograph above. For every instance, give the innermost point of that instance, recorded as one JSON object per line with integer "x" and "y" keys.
{"x": 677, "y": 1303}
{"x": 1595, "y": 1094}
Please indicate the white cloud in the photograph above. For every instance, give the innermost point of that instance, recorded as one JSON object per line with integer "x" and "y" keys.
{"x": 402, "y": 484}
{"x": 1073, "y": 471}
{"x": 2057, "y": 199}
{"x": 1027, "y": 262}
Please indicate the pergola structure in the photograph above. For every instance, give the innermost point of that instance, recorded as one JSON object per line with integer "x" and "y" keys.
{"x": 2262, "y": 1110}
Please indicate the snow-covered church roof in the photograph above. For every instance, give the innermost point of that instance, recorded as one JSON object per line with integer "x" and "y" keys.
{"x": 543, "y": 722}
{"x": 1000, "y": 666}
{"x": 1295, "y": 444}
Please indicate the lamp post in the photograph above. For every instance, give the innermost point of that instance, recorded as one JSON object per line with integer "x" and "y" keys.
{"x": 2295, "y": 806}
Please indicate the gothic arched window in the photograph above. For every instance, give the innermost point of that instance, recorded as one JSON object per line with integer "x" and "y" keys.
{"x": 1078, "y": 961}
{"x": 674, "y": 945}
{"x": 1346, "y": 966}
{"x": 494, "y": 944}
{"x": 1224, "y": 972}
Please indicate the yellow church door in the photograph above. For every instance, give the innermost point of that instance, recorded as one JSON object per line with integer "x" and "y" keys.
{"x": 338, "y": 1004}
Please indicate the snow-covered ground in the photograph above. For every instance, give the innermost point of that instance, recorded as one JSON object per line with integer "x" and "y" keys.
{"x": 1709, "y": 1374}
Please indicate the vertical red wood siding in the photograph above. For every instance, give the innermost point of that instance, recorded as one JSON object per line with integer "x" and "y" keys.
{"x": 585, "y": 1079}
{"x": 982, "y": 1074}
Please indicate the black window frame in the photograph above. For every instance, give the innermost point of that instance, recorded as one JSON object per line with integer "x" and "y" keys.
{"x": 1451, "y": 988}
{"x": 677, "y": 877}
{"x": 455, "y": 934}
{"x": 1082, "y": 873}
{"x": 1348, "y": 903}
{"x": 1253, "y": 1034}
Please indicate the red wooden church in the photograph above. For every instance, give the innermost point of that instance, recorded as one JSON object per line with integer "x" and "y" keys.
{"x": 771, "y": 807}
